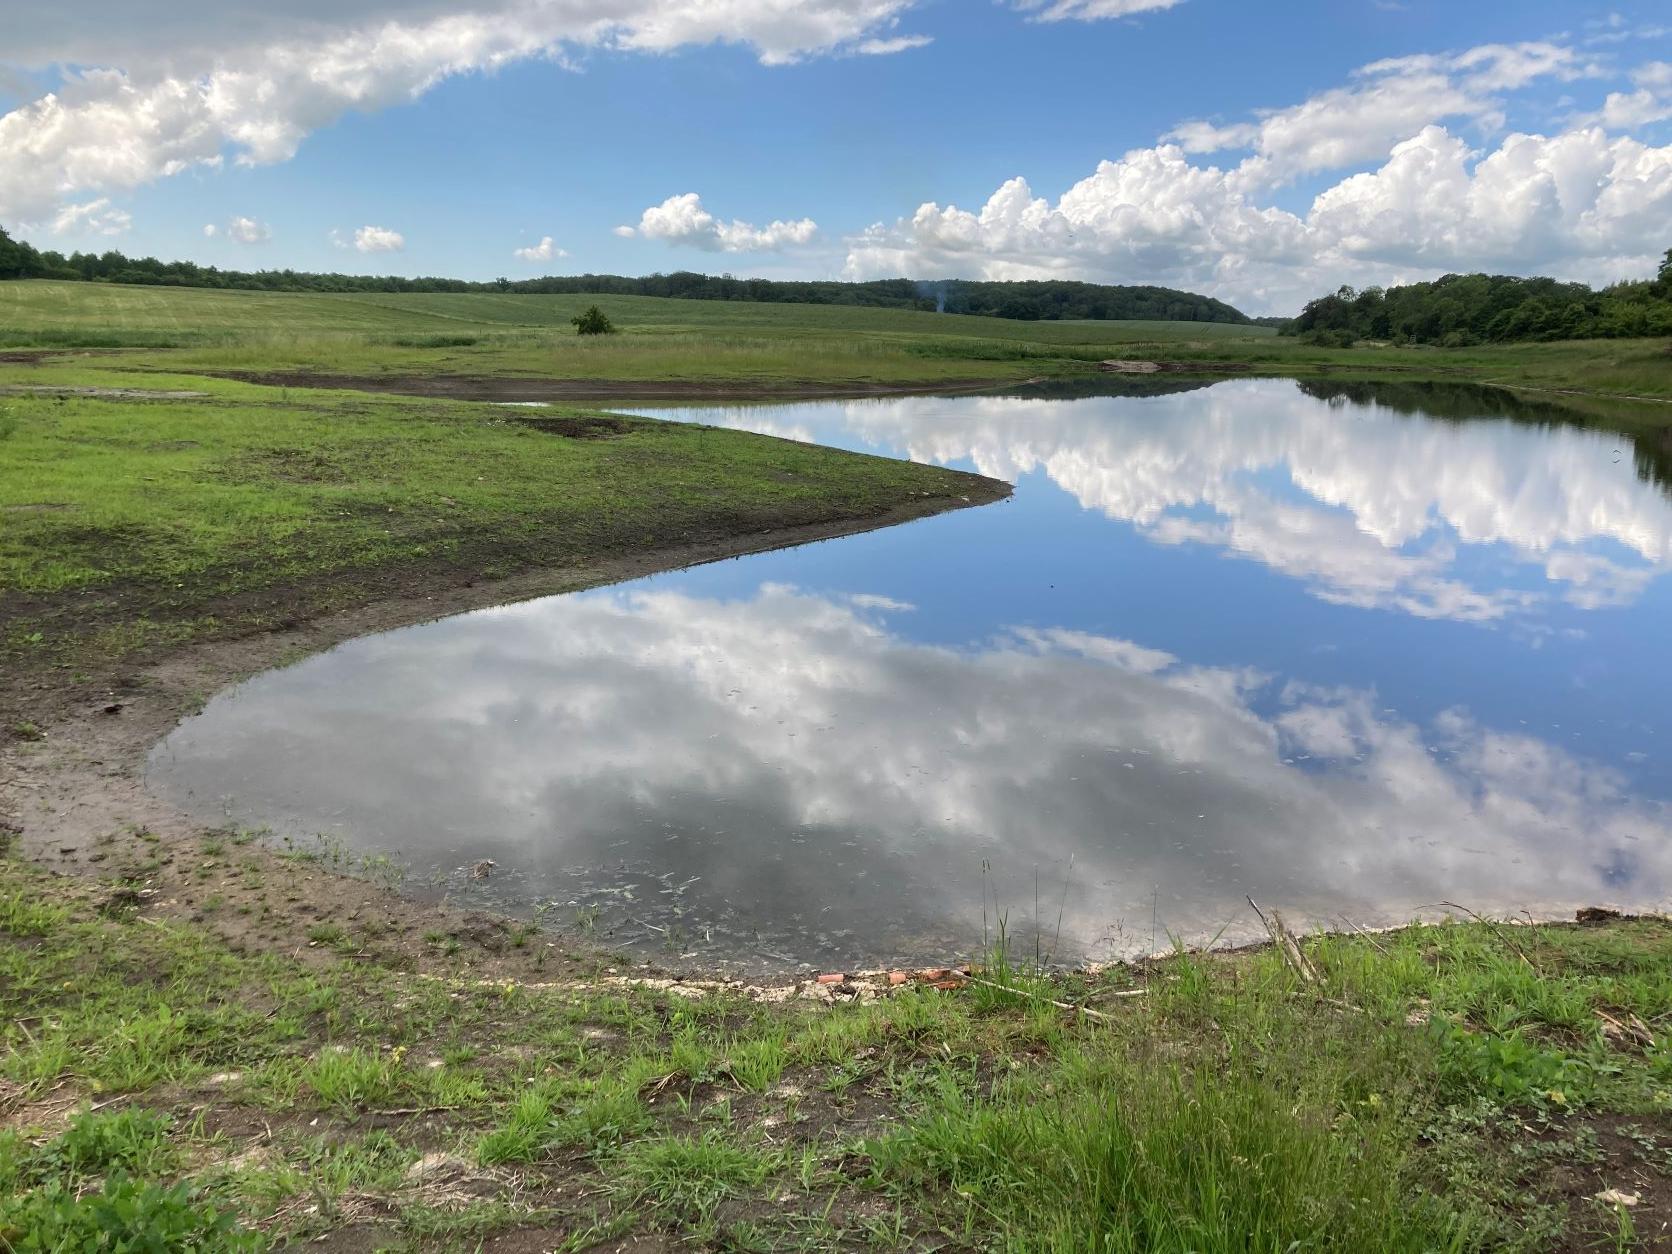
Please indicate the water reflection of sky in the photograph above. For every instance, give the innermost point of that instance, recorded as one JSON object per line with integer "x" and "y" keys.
{"x": 1233, "y": 640}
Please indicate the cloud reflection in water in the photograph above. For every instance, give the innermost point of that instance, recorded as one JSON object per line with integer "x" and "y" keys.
{"x": 1365, "y": 506}
{"x": 837, "y": 786}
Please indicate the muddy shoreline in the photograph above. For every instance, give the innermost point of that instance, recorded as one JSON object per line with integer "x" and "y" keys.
{"x": 73, "y": 798}
{"x": 499, "y": 388}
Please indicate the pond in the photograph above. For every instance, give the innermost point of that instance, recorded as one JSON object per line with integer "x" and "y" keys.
{"x": 1351, "y": 650}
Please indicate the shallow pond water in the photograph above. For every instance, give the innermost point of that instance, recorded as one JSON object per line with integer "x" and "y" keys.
{"x": 1350, "y": 650}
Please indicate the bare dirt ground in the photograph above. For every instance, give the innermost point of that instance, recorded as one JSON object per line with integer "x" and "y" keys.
{"x": 511, "y": 390}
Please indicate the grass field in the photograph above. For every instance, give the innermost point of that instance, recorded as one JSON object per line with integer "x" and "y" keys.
{"x": 726, "y": 342}
{"x": 1441, "y": 1088}
{"x": 193, "y": 315}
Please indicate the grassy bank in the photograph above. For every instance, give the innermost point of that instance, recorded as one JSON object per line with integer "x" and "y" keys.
{"x": 728, "y": 343}
{"x": 134, "y": 520}
{"x": 1451, "y": 1087}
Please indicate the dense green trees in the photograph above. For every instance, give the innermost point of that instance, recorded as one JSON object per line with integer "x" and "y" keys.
{"x": 1458, "y": 310}
{"x": 1053, "y": 300}
{"x": 1004, "y": 300}
{"x": 17, "y": 259}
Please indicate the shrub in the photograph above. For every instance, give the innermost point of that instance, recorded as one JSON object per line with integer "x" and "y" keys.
{"x": 1329, "y": 339}
{"x": 593, "y": 322}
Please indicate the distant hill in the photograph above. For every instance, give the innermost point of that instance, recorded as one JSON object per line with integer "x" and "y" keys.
{"x": 1032, "y": 301}
{"x": 1458, "y": 310}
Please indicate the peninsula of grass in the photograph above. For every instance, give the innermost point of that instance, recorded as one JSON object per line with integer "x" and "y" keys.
{"x": 1453, "y": 1087}
{"x": 144, "y": 510}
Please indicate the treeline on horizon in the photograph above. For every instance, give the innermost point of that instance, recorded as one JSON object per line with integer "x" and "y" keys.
{"x": 1027, "y": 301}
{"x": 1460, "y": 310}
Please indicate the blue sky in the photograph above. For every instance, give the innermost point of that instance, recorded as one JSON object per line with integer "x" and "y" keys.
{"x": 468, "y": 129}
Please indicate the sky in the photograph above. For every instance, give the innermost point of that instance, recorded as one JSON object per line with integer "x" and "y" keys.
{"x": 1262, "y": 154}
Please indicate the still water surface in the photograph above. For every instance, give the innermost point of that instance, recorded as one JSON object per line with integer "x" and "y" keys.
{"x": 1350, "y": 650}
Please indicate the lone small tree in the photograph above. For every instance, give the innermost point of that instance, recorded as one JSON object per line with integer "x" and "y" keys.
{"x": 593, "y": 322}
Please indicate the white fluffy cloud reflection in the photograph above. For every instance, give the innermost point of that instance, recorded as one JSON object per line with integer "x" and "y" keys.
{"x": 1379, "y": 514}
{"x": 1584, "y": 202}
{"x": 683, "y": 220}
{"x": 798, "y": 765}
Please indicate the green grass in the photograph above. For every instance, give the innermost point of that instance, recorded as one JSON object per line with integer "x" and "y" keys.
{"x": 433, "y": 319}
{"x": 1433, "y": 1092}
{"x": 245, "y": 506}
{"x": 249, "y": 505}
{"x": 724, "y": 342}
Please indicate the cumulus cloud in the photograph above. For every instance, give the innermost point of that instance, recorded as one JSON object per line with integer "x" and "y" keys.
{"x": 248, "y": 231}
{"x": 378, "y": 239}
{"x": 1150, "y": 217}
{"x": 187, "y": 85}
{"x": 93, "y": 217}
{"x": 1386, "y": 101}
{"x": 545, "y": 250}
{"x": 1582, "y": 203}
{"x": 1650, "y": 102}
{"x": 683, "y": 220}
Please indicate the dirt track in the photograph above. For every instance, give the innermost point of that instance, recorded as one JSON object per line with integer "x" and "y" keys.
{"x": 498, "y": 388}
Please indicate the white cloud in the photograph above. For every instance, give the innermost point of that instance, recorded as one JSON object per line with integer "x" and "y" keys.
{"x": 683, "y": 220}
{"x": 890, "y": 46}
{"x": 378, "y": 239}
{"x": 93, "y": 217}
{"x": 210, "y": 230}
{"x": 1387, "y": 101}
{"x": 1152, "y": 216}
{"x": 1579, "y": 202}
{"x": 1582, "y": 203}
{"x": 248, "y": 231}
{"x": 545, "y": 250}
{"x": 1650, "y": 103}
{"x": 189, "y": 85}
{"x": 1088, "y": 10}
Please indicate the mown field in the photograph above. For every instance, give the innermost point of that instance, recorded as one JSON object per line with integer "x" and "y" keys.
{"x": 724, "y": 342}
